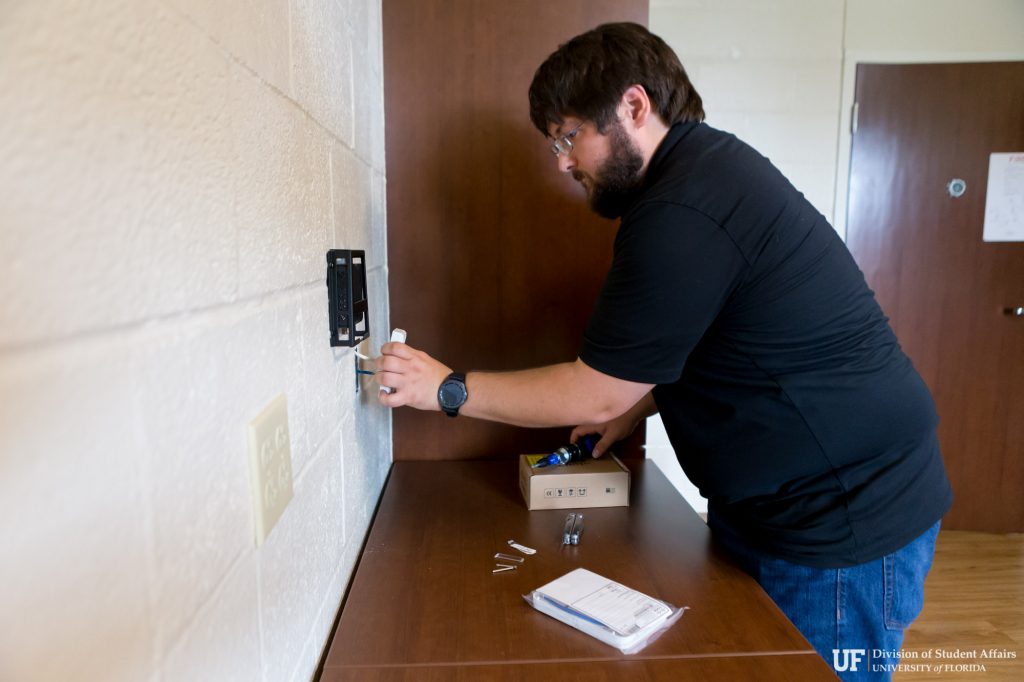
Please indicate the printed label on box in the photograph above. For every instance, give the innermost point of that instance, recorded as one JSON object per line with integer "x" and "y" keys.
{"x": 601, "y": 482}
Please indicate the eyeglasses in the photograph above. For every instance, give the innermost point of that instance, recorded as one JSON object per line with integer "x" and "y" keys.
{"x": 563, "y": 144}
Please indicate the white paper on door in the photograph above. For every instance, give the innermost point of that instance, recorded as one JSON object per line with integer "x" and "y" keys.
{"x": 1004, "y": 198}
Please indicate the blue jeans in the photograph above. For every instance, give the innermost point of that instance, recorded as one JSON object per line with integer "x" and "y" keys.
{"x": 854, "y": 617}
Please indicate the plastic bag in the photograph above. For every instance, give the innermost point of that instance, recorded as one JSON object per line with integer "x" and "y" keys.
{"x": 604, "y": 609}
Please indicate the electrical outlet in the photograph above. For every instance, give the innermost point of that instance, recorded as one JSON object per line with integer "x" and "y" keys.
{"x": 270, "y": 463}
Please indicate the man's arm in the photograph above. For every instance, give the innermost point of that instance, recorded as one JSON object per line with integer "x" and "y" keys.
{"x": 617, "y": 429}
{"x": 557, "y": 395}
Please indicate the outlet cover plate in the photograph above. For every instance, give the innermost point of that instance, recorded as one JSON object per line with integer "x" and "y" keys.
{"x": 270, "y": 463}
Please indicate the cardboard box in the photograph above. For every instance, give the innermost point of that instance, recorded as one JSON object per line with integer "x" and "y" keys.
{"x": 601, "y": 482}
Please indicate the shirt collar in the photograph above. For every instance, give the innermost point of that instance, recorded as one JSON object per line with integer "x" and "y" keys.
{"x": 676, "y": 133}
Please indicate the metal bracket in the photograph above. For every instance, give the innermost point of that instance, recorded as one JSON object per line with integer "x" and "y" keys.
{"x": 347, "y": 306}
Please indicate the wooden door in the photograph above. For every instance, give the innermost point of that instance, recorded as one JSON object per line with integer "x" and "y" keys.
{"x": 945, "y": 290}
{"x": 494, "y": 260}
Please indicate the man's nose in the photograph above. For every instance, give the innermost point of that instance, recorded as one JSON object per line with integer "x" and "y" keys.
{"x": 565, "y": 163}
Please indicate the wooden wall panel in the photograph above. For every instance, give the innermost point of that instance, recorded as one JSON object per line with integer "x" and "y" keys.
{"x": 494, "y": 259}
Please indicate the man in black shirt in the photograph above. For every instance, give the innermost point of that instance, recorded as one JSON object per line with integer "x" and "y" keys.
{"x": 734, "y": 310}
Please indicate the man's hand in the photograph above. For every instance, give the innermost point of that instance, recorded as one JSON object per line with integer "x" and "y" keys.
{"x": 617, "y": 429}
{"x": 414, "y": 376}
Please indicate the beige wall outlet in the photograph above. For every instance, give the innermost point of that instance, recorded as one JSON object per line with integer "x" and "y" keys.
{"x": 270, "y": 461}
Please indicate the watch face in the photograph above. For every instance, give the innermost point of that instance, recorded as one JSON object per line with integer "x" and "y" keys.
{"x": 453, "y": 394}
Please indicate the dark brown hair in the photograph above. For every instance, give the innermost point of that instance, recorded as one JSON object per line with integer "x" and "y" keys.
{"x": 586, "y": 77}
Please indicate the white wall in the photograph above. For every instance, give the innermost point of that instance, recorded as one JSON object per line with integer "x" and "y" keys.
{"x": 768, "y": 72}
{"x": 780, "y": 76}
{"x": 173, "y": 172}
{"x": 940, "y": 27}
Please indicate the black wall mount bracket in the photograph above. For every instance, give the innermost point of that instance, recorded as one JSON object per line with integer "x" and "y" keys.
{"x": 348, "y": 311}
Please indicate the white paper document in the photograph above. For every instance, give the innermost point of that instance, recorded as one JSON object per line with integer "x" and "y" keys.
{"x": 1004, "y": 198}
{"x": 605, "y": 609}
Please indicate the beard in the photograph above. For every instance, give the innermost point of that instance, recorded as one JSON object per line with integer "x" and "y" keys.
{"x": 612, "y": 189}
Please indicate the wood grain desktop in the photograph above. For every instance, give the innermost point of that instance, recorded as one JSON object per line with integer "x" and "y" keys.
{"x": 424, "y": 604}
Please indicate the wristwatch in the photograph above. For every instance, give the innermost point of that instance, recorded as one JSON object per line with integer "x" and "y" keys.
{"x": 452, "y": 394}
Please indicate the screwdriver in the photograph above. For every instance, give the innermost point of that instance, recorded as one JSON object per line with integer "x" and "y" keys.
{"x": 574, "y": 452}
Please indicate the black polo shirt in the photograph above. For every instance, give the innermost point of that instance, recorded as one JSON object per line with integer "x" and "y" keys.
{"x": 782, "y": 388}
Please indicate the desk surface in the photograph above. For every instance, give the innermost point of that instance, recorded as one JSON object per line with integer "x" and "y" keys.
{"x": 424, "y": 602}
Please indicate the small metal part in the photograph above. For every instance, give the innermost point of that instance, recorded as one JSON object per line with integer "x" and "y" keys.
{"x": 956, "y": 188}
{"x": 502, "y": 569}
{"x": 570, "y": 521}
{"x": 522, "y": 548}
{"x": 1016, "y": 311}
{"x": 509, "y": 557}
{"x": 577, "y": 529}
{"x": 505, "y": 566}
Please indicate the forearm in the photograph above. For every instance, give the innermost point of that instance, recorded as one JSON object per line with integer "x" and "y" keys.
{"x": 644, "y": 408}
{"x": 619, "y": 428}
{"x": 556, "y": 395}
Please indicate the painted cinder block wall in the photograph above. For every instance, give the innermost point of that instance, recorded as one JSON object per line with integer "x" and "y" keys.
{"x": 172, "y": 173}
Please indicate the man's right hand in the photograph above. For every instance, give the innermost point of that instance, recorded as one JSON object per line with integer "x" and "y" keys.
{"x": 617, "y": 429}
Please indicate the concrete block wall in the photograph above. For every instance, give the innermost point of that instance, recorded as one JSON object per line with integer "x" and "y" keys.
{"x": 779, "y": 76}
{"x": 173, "y": 172}
{"x": 769, "y": 73}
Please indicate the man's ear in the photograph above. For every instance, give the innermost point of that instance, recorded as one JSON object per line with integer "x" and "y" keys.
{"x": 636, "y": 105}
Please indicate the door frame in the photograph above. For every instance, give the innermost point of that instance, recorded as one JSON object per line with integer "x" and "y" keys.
{"x": 851, "y": 60}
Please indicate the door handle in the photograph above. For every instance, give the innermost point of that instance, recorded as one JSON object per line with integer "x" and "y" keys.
{"x": 1014, "y": 312}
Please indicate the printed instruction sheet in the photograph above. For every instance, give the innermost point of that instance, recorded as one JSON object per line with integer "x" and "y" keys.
{"x": 1004, "y": 198}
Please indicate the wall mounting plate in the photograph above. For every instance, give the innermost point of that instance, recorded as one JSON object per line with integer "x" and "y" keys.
{"x": 348, "y": 309}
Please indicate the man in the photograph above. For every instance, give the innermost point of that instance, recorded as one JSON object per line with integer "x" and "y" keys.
{"x": 734, "y": 310}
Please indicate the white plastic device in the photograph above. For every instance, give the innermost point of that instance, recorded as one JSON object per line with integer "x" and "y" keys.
{"x": 398, "y": 335}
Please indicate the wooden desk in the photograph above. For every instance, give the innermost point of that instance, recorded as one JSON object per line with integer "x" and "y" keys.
{"x": 425, "y": 605}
